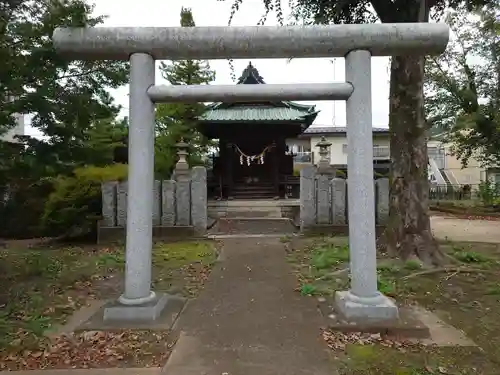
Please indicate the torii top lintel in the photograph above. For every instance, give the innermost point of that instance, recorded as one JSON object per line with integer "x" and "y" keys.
{"x": 180, "y": 43}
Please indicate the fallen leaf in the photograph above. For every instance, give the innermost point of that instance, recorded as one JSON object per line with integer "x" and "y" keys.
{"x": 93, "y": 349}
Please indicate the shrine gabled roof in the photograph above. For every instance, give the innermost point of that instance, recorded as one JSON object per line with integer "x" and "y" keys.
{"x": 250, "y": 75}
{"x": 258, "y": 112}
{"x": 254, "y": 113}
{"x": 336, "y": 130}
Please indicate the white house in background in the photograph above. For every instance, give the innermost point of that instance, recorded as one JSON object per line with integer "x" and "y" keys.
{"x": 304, "y": 147}
{"x": 18, "y": 129}
{"x": 446, "y": 169}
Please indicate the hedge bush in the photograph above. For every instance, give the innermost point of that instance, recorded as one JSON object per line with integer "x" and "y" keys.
{"x": 21, "y": 206}
{"x": 74, "y": 206}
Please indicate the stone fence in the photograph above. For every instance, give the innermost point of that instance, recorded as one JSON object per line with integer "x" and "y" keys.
{"x": 179, "y": 208}
{"x": 323, "y": 201}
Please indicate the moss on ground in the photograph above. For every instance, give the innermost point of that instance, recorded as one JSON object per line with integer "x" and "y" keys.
{"x": 467, "y": 300}
{"x": 42, "y": 287}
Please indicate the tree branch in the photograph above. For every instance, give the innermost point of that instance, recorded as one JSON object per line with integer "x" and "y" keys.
{"x": 448, "y": 269}
{"x": 81, "y": 74}
{"x": 452, "y": 87}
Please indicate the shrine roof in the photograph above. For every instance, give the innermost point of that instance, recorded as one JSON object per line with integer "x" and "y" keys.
{"x": 337, "y": 130}
{"x": 258, "y": 111}
{"x": 254, "y": 113}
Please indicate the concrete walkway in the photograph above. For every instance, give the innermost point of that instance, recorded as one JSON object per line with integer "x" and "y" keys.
{"x": 450, "y": 228}
{"x": 248, "y": 319}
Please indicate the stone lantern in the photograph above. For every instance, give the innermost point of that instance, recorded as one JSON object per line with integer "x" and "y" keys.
{"x": 324, "y": 162}
{"x": 182, "y": 166}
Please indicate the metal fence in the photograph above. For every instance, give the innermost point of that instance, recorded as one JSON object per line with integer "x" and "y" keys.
{"x": 453, "y": 192}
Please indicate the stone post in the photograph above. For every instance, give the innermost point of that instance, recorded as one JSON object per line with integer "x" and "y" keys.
{"x": 138, "y": 302}
{"x": 307, "y": 196}
{"x": 338, "y": 188}
{"x": 382, "y": 202}
{"x": 183, "y": 186}
{"x": 140, "y": 183}
{"x": 121, "y": 203}
{"x": 108, "y": 191}
{"x": 199, "y": 199}
{"x": 168, "y": 203}
{"x": 363, "y": 300}
{"x": 324, "y": 199}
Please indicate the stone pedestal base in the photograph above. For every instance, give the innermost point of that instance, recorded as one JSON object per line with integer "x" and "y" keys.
{"x": 356, "y": 308}
{"x": 149, "y": 311}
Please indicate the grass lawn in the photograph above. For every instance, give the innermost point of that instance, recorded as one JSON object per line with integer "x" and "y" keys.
{"x": 466, "y": 296}
{"x": 42, "y": 287}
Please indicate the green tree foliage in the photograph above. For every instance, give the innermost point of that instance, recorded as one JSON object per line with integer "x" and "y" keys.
{"x": 176, "y": 121}
{"x": 30, "y": 171}
{"x": 32, "y": 159}
{"x": 68, "y": 101}
{"x": 101, "y": 142}
{"x": 462, "y": 86}
{"x": 408, "y": 233}
{"x": 74, "y": 206}
{"x": 65, "y": 97}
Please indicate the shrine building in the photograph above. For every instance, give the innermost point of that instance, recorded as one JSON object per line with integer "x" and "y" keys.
{"x": 253, "y": 159}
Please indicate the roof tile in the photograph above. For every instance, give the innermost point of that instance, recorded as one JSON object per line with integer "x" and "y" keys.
{"x": 256, "y": 114}
{"x": 336, "y": 129}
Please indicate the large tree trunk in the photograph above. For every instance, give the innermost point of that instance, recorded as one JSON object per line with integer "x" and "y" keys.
{"x": 408, "y": 233}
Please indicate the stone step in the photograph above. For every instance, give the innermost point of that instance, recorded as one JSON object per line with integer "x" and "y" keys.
{"x": 252, "y": 189}
{"x": 253, "y": 203}
{"x": 254, "y": 186}
{"x": 245, "y": 225}
{"x": 255, "y": 212}
{"x": 253, "y": 196}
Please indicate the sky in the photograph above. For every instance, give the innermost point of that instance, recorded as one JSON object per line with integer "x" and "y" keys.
{"x": 216, "y": 13}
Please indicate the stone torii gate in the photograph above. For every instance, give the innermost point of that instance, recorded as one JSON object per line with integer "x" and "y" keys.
{"x": 357, "y": 43}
